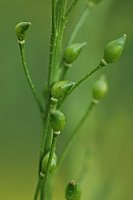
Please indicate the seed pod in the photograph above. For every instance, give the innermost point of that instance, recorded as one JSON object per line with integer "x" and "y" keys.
{"x": 72, "y": 52}
{"x": 114, "y": 49}
{"x": 45, "y": 162}
{"x": 73, "y": 191}
{"x": 100, "y": 88}
{"x": 57, "y": 120}
{"x": 21, "y": 30}
{"x": 60, "y": 88}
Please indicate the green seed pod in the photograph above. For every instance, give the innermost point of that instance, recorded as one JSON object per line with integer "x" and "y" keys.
{"x": 60, "y": 88}
{"x": 21, "y": 30}
{"x": 57, "y": 120}
{"x": 114, "y": 49}
{"x": 45, "y": 162}
{"x": 72, "y": 52}
{"x": 73, "y": 191}
{"x": 100, "y": 88}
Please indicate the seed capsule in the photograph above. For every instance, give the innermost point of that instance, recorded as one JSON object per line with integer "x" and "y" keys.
{"x": 45, "y": 162}
{"x": 21, "y": 30}
{"x": 114, "y": 49}
{"x": 100, "y": 88}
{"x": 57, "y": 120}
{"x": 72, "y": 52}
{"x": 60, "y": 88}
{"x": 73, "y": 191}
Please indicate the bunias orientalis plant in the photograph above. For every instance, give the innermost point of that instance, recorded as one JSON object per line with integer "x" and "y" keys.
{"x": 59, "y": 88}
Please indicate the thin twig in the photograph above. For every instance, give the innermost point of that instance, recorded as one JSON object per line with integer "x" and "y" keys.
{"x": 71, "y": 8}
{"x": 74, "y": 134}
{"x": 28, "y": 77}
{"x": 78, "y": 83}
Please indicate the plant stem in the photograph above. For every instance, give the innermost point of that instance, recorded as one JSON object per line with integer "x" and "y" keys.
{"x": 37, "y": 189}
{"x": 78, "y": 83}
{"x": 71, "y": 7}
{"x": 74, "y": 134}
{"x": 26, "y": 71}
{"x": 56, "y": 39}
{"x": 79, "y": 25}
{"x": 88, "y": 157}
{"x": 52, "y": 150}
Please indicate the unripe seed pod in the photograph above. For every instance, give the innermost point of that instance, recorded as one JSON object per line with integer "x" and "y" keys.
{"x": 114, "y": 49}
{"x": 21, "y": 30}
{"x": 72, "y": 52}
{"x": 45, "y": 162}
{"x": 60, "y": 88}
{"x": 57, "y": 120}
{"x": 73, "y": 191}
{"x": 100, "y": 88}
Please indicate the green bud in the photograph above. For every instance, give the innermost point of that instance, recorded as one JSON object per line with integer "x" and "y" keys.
{"x": 45, "y": 162}
{"x": 100, "y": 88}
{"x": 57, "y": 120}
{"x": 72, "y": 52}
{"x": 21, "y": 30}
{"x": 114, "y": 49}
{"x": 60, "y": 88}
{"x": 93, "y": 3}
{"x": 73, "y": 191}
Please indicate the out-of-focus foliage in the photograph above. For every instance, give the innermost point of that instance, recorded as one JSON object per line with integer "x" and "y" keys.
{"x": 109, "y": 128}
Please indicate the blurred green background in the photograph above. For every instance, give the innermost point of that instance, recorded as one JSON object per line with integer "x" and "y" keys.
{"x": 110, "y": 127}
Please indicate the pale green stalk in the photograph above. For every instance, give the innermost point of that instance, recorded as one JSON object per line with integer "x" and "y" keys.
{"x": 75, "y": 133}
{"x": 79, "y": 25}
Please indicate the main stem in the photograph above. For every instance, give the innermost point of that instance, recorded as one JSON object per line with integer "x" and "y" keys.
{"x": 52, "y": 150}
{"x": 58, "y": 24}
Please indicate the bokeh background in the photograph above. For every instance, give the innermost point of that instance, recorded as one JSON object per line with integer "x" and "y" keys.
{"x": 110, "y": 127}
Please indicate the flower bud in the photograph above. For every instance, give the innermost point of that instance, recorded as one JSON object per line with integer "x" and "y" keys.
{"x": 60, "y": 88}
{"x": 57, "y": 120}
{"x": 114, "y": 49}
{"x": 73, "y": 191}
{"x": 100, "y": 88}
{"x": 72, "y": 52}
{"x": 21, "y": 30}
{"x": 45, "y": 162}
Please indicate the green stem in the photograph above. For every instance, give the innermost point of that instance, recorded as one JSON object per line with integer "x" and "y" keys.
{"x": 78, "y": 83}
{"x": 37, "y": 189}
{"x": 26, "y": 71}
{"x": 42, "y": 148}
{"x": 56, "y": 39}
{"x": 71, "y": 8}
{"x": 79, "y": 25}
{"x": 52, "y": 150}
{"x": 75, "y": 133}
{"x": 88, "y": 157}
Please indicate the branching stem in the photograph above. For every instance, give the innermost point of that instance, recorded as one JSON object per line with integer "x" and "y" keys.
{"x": 78, "y": 83}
